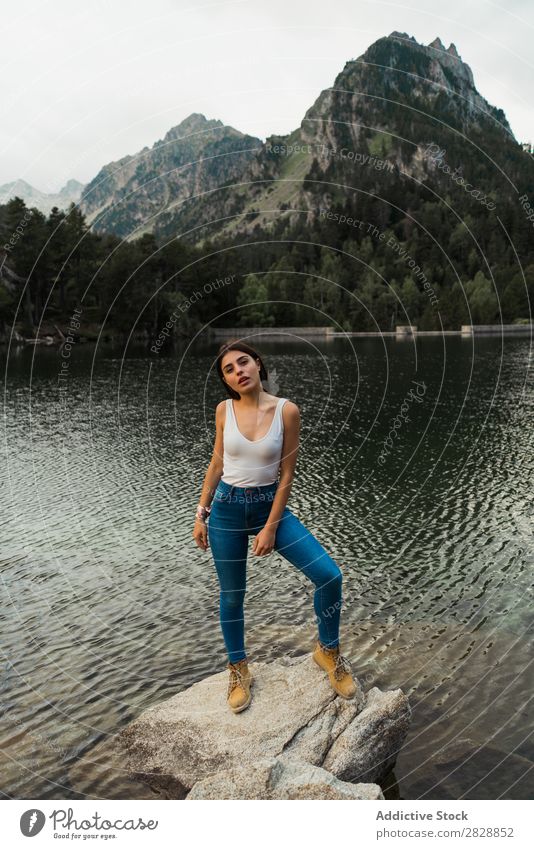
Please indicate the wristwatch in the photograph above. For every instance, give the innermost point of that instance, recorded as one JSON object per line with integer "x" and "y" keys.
{"x": 203, "y": 512}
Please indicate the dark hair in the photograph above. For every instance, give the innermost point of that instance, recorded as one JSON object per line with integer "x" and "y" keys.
{"x": 236, "y": 345}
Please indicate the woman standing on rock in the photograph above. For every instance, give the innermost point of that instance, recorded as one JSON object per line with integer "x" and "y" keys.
{"x": 256, "y": 442}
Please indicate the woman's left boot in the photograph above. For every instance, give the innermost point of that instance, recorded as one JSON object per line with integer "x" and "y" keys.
{"x": 338, "y": 668}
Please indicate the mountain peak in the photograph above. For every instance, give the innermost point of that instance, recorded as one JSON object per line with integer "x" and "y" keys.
{"x": 196, "y": 122}
{"x": 403, "y": 35}
{"x": 437, "y": 44}
{"x": 188, "y": 160}
{"x": 397, "y": 68}
{"x": 71, "y": 186}
{"x": 195, "y": 125}
{"x": 448, "y": 58}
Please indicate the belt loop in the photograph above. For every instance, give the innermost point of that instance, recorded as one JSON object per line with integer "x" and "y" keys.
{"x": 231, "y": 492}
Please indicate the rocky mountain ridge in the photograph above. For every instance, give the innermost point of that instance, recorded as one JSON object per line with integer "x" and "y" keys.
{"x": 205, "y": 179}
{"x": 195, "y": 158}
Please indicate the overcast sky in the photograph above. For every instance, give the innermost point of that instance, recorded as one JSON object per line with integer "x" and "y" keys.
{"x": 84, "y": 83}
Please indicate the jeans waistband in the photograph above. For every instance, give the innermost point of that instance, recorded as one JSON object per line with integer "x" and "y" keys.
{"x": 226, "y": 491}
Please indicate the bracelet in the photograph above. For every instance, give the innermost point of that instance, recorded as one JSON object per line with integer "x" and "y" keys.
{"x": 203, "y": 512}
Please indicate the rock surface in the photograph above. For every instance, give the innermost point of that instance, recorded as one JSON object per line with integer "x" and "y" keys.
{"x": 295, "y": 716}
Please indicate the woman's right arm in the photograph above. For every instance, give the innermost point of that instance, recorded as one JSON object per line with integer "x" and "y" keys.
{"x": 212, "y": 477}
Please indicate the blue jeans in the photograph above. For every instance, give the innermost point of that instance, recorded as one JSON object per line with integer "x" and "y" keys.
{"x": 236, "y": 513}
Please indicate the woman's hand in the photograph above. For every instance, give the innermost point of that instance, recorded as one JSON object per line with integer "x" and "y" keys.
{"x": 264, "y": 541}
{"x": 200, "y": 534}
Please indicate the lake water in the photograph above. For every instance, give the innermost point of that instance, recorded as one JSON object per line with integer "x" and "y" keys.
{"x": 109, "y": 607}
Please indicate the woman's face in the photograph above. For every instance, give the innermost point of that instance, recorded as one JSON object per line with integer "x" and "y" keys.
{"x": 240, "y": 371}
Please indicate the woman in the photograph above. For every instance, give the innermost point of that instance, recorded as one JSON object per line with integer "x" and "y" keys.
{"x": 256, "y": 442}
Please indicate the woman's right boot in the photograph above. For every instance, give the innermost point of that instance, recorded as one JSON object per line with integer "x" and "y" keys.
{"x": 239, "y": 696}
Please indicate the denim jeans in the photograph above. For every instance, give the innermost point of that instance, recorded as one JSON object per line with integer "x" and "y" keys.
{"x": 236, "y": 513}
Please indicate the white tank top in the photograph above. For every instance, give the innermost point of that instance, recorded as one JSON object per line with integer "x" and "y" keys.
{"x": 247, "y": 462}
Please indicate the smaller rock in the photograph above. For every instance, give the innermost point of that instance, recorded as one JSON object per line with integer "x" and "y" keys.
{"x": 367, "y": 749}
{"x": 280, "y": 778}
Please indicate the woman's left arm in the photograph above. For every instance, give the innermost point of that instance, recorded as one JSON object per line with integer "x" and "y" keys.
{"x": 264, "y": 541}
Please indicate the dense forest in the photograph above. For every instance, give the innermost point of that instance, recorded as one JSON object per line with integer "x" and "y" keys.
{"x": 123, "y": 287}
{"x": 367, "y": 274}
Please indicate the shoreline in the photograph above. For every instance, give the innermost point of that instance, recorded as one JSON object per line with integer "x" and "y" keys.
{"x": 400, "y": 332}
{"x": 90, "y": 334}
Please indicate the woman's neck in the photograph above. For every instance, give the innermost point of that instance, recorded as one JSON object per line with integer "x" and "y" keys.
{"x": 251, "y": 400}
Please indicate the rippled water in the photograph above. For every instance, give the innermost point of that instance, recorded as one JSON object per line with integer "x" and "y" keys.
{"x": 108, "y": 605}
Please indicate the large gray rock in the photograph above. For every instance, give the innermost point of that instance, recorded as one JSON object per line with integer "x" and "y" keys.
{"x": 294, "y": 716}
{"x": 280, "y": 778}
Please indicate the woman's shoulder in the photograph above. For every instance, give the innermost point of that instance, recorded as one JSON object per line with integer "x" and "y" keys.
{"x": 220, "y": 412}
{"x": 287, "y": 405}
{"x": 290, "y": 410}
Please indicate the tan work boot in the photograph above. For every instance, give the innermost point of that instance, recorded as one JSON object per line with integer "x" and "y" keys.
{"x": 338, "y": 668}
{"x": 238, "y": 696}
